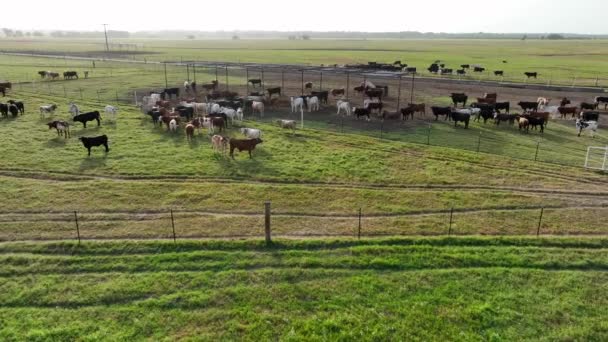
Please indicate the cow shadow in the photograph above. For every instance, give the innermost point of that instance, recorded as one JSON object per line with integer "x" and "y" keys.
{"x": 97, "y": 159}
{"x": 56, "y": 142}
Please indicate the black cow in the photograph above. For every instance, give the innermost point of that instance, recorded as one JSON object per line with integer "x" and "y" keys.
{"x": 154, "y": 114}
{"x": 504, "y": 117}
{"x": 459, "y": 98}
{"x": 308, "y": 85}
{"x": 13, "y": 110}
{"x": 434, "y": 68}
{"x": 584, "y": 105}
{"x": 167, "y": 92}
{"x": 359, "y": 112}
{"x": 590, "y": 116}
{"x": 536, "y": 121}
{"x": 486, "y": 111}
{"x": 375, "y": 105}
{"x": 407, "y": 111}
{"x": 441, "y": 111}
{"x": 4, "y": 109}
{"x": 465, "y": 66}
{"x": 528, "y": 106}
{"x": 601, "y": 99}
{"x": 411, "y": 69}
{"x": 321, "y": 95}
{"x": 498, "y": 73}
{"x": 446, "y": 71}
{"x": 498, "y": 106}
{"x": 461, "y": 72}
{"x": 220, "y": 115}
{"x": 68, "y": 75}
{"x": 89, "y": 142}
{"x": 479, "y": 69}
{"x": 255, "y": 81}
{"x": 19, "y": 104}
{"x": 185, "y": 112}
{"x": 86, "y": 117}
{"x": 461, "y": 117}
{"x": 531, "y": 74}
{"x": 276, "y": 90}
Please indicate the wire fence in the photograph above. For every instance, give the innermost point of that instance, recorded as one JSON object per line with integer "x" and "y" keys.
{"x": 187, "y": 224}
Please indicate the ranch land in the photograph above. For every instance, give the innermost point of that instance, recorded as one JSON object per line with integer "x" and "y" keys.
{"x": 361, "y": 210}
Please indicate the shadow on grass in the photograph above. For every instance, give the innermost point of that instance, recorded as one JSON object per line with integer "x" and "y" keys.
{"x": 95, "y": 160}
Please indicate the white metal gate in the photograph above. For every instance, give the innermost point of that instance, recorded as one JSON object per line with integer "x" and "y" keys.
{"x": 596, "y": 158}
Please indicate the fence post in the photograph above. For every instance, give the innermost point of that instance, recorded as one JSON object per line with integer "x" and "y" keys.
{"x": 194, "y": 72}
{"x": 247, "y": 79}
{"x": 267, "y": 222}
{"x": 135, "y": 97}
{"x": 381, "y": 128}
{"x": 412, "y": 90}
{"x": 399, "y": 93}
{"x": 166, "y": 82}
{"x": 451, "y": 216}
{"x": 302, "y": 82}
{"x": 216, "y": 73}
{"x": 77, "y": 227}
{"x": 347, "y": 83}
{"x": 65, "y": 93}
{"x": 321, "y": 81}
{"x": 227, "y": 83}
{"x": 80, "y": 93}
{"x": 342, "y": 125}
{"x": 282, "y": 79}
{"x": 428, "y": 135}
{"x": 98, "y": 98}
{"x": 262, "y": 70}
{"x": 173, "y": 225}
{"x": 540, "y": 220}
{"x": 187, "y": 72}
{"x": 536, "y": 154}
{"x": 478, "y": 141}
{"x": 359, "y": 229}
{"x": 116, "y": 92}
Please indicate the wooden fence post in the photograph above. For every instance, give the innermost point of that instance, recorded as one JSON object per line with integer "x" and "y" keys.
{"x": 227, "y": 82}
{"x": 536, "y": 154}
{"x": 540, "y": 220}
{"x": 173, "y": 225}
{"x": 77, "y": 227}
{"x": 267, "y": 232}
{"x": 359, "y": 230}
{"x": 451, "y": 216}
{"x": 479, "y": 142}
{"x": 399, "y": 93}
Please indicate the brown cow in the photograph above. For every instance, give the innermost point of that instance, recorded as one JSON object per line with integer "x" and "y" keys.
{"x": 418, "y": 108}
{"x": 336, "y": 92}
{"x": 189, "y": 131}
{"x": 567, "y": 110}
{"x": 243, "y": 145}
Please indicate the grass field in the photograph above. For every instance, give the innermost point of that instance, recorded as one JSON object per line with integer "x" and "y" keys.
{"x": 396, "y": 289}
{"x": 567, "y": 62}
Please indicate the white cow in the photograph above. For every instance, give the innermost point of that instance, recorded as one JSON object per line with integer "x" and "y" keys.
{"x": 200, "y": 108}
{"x": 258, "y": 107}
{"x": 239, "y": 114}
{"x": 111, "y": 110}
{"x": 251, "y": 133}
{"x": 173, "y": 125}
{"x": 291, "y": 124}
{"x": 313, "y": 103}
{"x": 213, "y": 108}
{"x": 47, "y": 109}
{"x": 74, "y": 110}
{"x": 230, "y": 114}
{"x": 591, "y": 126}
{"x": 343, "y": 106}
{"x": 297, "y": 104}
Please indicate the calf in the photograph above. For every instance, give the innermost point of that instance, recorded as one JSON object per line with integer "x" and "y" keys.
{"x": 290, "y": 124}
{"x": 251, "y": 133}
{"x": 111, "y": 110}
{"x": 461, "y": 117}
{"x": 219, "y": 143}
{"x": 89, "y": 142}
{"x": 13, "y": 110}
{"x": 478, "y": 69}
{"x": 86, "y": 117}
{"x": 534, "y": 122}
{"x": 47, "y": 109}
{"x": 313, "y": 104}
{"x": 243, "y": 145}
{"x": 359, "y": 112}
{"x": 62, "y": 127}
{"x": 465, "y": 66}
{"x": 461, "y": 72}
{"x": 523, "y": 123}
{"x": 154, "y": 114}
{"x": 189, "y": 131}
{"x": 441, "y": 111}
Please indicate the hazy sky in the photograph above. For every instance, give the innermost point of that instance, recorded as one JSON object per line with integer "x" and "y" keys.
{"x": 573, "y": 16}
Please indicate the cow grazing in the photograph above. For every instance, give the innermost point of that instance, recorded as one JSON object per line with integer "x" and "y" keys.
{"x": 498, "y": 73}
{"x": 272, "y": 91}
{"x": 343, "y": 106}
{"x": 321, "y": 95}
{"x": 590, "y": 126}
{"x": 563, "y": 111}
{"x": 251, "y": 133}
{"x": 531, "y": 74}
{"x": 89, "y": 142}
{"x": 62, "y": 127}
{"x": 528, "y": 106}
{"x": 523, "y": 123}
{"x": 19, "y": 104}
{"x": 111, "y": 110}
{"x": 189, "y": 131}
{"x": 456, "y": 117}
{"x": 337, "y": 92}
{"x": 244, "y": 145}
{"x": 479, "y": 69}
{"x": 86, "y": 117}
{"x": 47, "y": 109}
{"x": 588, "y": 106}
{"x": 498, "y": 118}
{"x": 42, "y": 73}
{"x": 506, "y": 106}
{"x": 459, "y": 98}
{"x": 601, "y": 99}
{"x": 359, "y": 112}
{"x": 289, "y": 124}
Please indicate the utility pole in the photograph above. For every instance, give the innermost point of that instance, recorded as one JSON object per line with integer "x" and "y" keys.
{"x": 105, "y": 32}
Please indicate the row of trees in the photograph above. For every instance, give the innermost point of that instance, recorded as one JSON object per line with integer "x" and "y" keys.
{"x": 18, "y": 33}
{"x": 64, "y": 34}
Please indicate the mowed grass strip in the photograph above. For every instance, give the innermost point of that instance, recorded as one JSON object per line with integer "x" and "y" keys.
{"x": 431, "y": 289}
